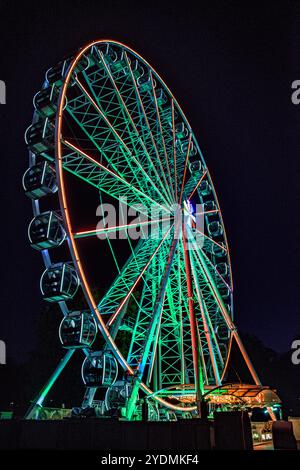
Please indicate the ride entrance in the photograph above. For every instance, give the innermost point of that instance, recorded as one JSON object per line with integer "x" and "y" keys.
{"x": 107, "y": 129}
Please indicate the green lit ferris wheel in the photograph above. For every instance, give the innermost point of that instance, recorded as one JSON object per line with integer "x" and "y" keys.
{"x": 106, "y": 118}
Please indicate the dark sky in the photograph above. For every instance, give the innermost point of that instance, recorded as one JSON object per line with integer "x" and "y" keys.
{"x": 230, "y": 66}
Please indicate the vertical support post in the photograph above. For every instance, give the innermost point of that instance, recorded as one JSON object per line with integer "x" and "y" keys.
{"x": 159, "y": 381}
{"x": 206, "y": 327}
{"x": 152, "y": 330}
{"x": 193, "y": 325}
{"x": 88, "y": 397}
{"x": 39, "y": 400}
{"x": 155, "y": 371}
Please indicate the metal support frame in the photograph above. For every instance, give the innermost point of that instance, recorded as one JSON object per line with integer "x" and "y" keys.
{"x": 37, "y": 403}
{"x": 119, "y": 136}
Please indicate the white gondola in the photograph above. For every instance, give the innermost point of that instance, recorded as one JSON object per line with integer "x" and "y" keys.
{"x": 46, "y": 231}
{"x": 215, "y": 229}
{"x": 181, "y": 131}
{"x": 45, "y": 102}
{"x": 205, "y": 188}
{"x": 161, "y": 97}
{"x": 185, "y": 147}
{"x": 222, "y": 269}
{"x": 210, "y": 208}
{"x": 39, "y": 137}
{"x": 99, "y": 369}
{"x": 117, "y": 61}
{"x": 78, "y": 330}
{"x": 145, "y": 83}
{"x": 224, "y": 291}
{"x": 195, "y": 167}
{"x": 59, "y": 282}
{"x": 39, "y": 180}
{"x": 218, "y": 250}
{"x": 222, "y": 332}
{"x": 56, "y": 74}
{"x": 137, "y": 69}
{"x": 118, "y": 394}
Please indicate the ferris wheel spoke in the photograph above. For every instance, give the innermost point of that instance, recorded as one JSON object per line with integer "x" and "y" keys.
{"x": 128, "y": 119}
{"x": 162, "y": 137}
{"x": 108, "y": 147}
{"x": 141, "y": 323}
{"x": 174, "y": 149}
{"x": 198, "y": 373}
{"x": 185, "y": 168}
{"x": 130, "y": 276}
{"x": 119, "y": 228}
{"x": 213, "y": 211}
{"x": 180, "y": 302}
{"x": 168, "y": 347}
{"x": 206, "y": 329}
{"x": 144, "y": 318}
{"x": 133, "y": 256}
{"x": 185, "y": 333}
{"x": 198, "y": 254}
{"x": 212, "y": 268}
{"x": 130, "y": 158}
{"x": 105, "y": 144}
{"x": 171, "y": 353}
{"x": 200, "y": 334}
{"x": 191, "y": 184}
{"x": 197, "y": 184}
{"x": 201, "y": 269}
{"x": 203, "y": 363}
{"x": 145, "y": 117}
{"x": 129, "y": 293}
{"x": 135, "y": 140}
{"x": 87, "y": 168}
{"x": 153, "y": 354}
{"x": 153, "y": 329}
{"x": 126, "y": 279}
{"x": 218, "y": 279}
{"x": 210, "y": 241}
{"x": 219, "y": 358}
{"x": 186, "y": 339}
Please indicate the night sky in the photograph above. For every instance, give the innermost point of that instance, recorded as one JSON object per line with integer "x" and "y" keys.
{"x": 230, "y": 66}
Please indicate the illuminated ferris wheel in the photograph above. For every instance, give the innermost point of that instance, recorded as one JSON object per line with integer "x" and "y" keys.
{"x": 105, "y": 121}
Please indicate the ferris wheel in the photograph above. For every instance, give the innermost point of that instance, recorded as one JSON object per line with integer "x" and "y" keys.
{"x": 107, "y": 129}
